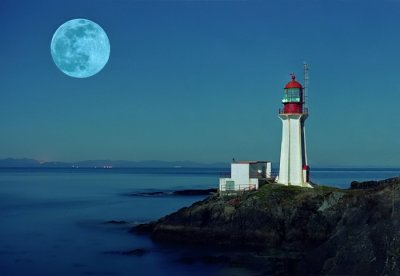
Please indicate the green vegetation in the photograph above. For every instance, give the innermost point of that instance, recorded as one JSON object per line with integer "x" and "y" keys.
{"x": 275, "y": 193}
{"x": 278, "y": 192}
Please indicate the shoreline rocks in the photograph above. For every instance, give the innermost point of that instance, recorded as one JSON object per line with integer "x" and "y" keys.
{"x": 334, "y": 231}
{"x": 189, "y": 192}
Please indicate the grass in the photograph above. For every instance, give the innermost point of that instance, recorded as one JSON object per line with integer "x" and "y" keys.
{"x": 276, "y": 191}
{"x": 284, "y": 193}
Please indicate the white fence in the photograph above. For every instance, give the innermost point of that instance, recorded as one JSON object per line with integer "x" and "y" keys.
{"x": 227, "y": 184}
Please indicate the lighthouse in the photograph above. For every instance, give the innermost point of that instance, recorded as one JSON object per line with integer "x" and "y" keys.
{"x": 293, "y": 167}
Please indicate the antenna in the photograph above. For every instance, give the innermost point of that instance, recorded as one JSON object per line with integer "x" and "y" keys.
{"x": 305, "y": 89}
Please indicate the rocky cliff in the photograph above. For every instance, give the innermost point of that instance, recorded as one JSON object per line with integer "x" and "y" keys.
{"x": 334, "y": 231}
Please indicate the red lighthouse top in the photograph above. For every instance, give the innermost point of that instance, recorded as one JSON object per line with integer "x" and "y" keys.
{"x": 293, "y": 97}
{"x": 293, "y": 83}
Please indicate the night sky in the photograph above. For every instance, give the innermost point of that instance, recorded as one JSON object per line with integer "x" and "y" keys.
{"x": 203, "y": 81}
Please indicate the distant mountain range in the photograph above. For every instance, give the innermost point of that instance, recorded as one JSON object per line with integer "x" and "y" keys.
{"x": 33, "y": 163}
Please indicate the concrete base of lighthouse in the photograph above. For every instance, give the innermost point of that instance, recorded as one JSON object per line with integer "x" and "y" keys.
{"x": 293, "y": 156}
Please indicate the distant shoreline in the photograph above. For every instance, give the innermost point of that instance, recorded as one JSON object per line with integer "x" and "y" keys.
{"x": 30, "y": 163}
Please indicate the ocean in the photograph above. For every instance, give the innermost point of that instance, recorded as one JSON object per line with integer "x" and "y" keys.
{"x": 53, "y": 221}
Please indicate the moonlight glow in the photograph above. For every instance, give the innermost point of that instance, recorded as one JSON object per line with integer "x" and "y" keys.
{"x": 80, "y": 48}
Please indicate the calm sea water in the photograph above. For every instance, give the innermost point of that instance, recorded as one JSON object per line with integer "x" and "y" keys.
{"x": 52, "y": 220}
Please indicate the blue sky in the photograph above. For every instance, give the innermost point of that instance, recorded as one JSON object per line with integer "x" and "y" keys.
{"x": 202, "y": 81}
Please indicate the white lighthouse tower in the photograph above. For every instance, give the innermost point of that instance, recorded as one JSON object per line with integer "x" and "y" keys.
{"x": 293, "y": 168}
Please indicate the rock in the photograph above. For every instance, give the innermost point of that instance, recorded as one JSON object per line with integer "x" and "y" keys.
{"x": 142, "y": 228}
{"x": 364, "y": 239}
{"x": 116, "y": 222}
{"x": 364, "y": 185}
{"x": 333, "y": 231}
{"x": 330, "y": 201}
{"x": 196, "y": 192}
{"x": 189, "y": 192}
{"x": 157, "y": 193}
{"x": 374, "y": 184}
{"x": 135, "y": 252}
{"x": 256, "y": 219}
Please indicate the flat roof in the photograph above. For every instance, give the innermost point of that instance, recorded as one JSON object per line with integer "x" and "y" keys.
{"x": 250, "y": 162}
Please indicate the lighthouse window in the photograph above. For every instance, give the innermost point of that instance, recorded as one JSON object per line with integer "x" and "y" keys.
{"x": 291, "y": 95}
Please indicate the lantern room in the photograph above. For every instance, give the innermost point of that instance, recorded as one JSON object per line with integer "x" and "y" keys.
{"x": 293, "y": 97}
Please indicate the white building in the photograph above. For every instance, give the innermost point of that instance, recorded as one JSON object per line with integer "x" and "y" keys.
{"x": 245, "y": 175}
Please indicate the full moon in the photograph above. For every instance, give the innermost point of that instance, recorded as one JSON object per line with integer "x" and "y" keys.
{"x": 80, "y": 48}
